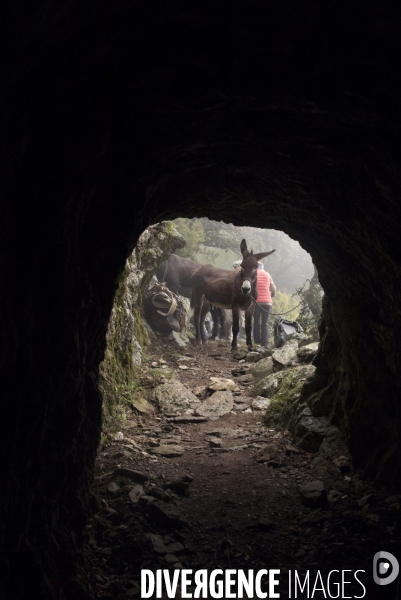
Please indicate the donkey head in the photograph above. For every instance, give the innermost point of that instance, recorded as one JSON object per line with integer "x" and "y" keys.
{"x": 249, "y": 267}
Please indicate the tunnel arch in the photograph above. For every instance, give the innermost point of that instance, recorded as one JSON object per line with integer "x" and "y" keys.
{"x": 332, "y": 234}
{"x": 119, "y": 116}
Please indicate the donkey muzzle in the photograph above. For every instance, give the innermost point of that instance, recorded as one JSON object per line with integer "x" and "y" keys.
{"x": 246, "y": 288}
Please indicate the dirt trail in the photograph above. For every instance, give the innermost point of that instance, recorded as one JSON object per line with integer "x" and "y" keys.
{"x": 240, "y": 507}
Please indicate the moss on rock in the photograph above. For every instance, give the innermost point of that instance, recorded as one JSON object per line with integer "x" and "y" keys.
{"x": 284, "y": 408}
{"x": 127, "y": 332}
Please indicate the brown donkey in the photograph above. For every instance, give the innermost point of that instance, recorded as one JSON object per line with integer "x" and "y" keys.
{"x": 227, "y": 289}
{"x": 176, "y": 273}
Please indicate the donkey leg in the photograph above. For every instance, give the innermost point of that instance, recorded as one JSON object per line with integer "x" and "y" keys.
{"x": 213, "y": 312}
{"x": 197, "y": 301}
{"x": 236, "y": 314}
{"x": 222, "y": 324}
{"x": 204, "y": 310}
{"x": 248, "y": 325}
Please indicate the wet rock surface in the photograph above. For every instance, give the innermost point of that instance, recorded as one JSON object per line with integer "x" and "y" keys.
{"x": 242, "y": 495}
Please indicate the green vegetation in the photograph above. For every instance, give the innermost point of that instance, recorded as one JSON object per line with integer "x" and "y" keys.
{"x": 194, "y": 234}
{"x": 118, "y": 381}
{"x": 311, "y": 306}
{"x": 284, "y": 408}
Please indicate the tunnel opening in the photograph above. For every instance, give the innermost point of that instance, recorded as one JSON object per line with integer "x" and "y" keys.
{"x": 155, "y": 291}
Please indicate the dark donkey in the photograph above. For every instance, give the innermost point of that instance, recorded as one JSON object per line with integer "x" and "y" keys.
{"x": 176, "y": 273}
{"x": 227, "y": 289}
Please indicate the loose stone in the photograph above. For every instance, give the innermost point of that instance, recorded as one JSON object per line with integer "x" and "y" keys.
{"x": 313, "y": 494}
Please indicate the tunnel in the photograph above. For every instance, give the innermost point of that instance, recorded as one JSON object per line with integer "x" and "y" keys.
{"x": 119, "y": 115}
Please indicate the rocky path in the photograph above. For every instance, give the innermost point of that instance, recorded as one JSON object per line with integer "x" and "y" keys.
{"x": 228, "y": 493}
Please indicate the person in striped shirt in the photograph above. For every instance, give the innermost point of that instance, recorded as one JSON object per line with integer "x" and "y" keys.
{"x": 266, "y": 291}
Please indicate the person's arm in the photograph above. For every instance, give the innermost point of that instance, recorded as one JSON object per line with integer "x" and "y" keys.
{"x": 272, "y": 288}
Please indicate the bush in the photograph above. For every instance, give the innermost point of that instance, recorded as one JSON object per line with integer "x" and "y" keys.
{"x": 310, "y": 294}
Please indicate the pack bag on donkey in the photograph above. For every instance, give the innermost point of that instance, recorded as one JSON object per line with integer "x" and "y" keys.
{"x": 164, "y": 310}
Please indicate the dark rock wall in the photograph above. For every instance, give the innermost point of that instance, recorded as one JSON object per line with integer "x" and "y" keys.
{"x": 118, "y": 115}
{"x": 127, "y": 333}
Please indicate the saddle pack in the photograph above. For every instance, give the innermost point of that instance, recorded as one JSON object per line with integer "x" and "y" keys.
{"x": 164, "y": 310}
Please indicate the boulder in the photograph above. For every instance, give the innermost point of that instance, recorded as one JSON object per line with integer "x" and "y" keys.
{"x": 169, "y": 450}
{"x": 243, "y": 379}
{"x": 180, "y": 338}
{"x": 286, "y": 404}
{"x": 254, "y": 356}
{"x": 307, "y": 353}
{"x": 262, "y": 369}
{"x": 333, "y": 443}
{"x": 272, "y": 455}
{"x": 173, "y": 396}
{"x": 240, "y": 354}
{"x": 311, "y": 431}
{"x": 215, "y": 442}
{"x": 159, "y": 494}
{"x": 266, "y": 387}
{"x": 313, "y": 494}
{"x": 220, "y": 384}
{"x": 113, "y": 489}
{"x": 301, "y": 338}
{"x": 285, "y": 356}
{"x": 260, "y": 403}
{"x": 220, "y": 403}
{"x": 135, "y": 493}
{"x": 200, "y": 391}
{"x": 342, "y": 463}
{"x": 165, "y": 515}
{"x": 141, "y": 405}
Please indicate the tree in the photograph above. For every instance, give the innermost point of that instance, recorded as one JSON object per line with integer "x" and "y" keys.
{"x": 194, "y": 234}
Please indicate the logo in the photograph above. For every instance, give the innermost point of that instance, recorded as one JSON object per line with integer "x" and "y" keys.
{"x": 385, "y": 568}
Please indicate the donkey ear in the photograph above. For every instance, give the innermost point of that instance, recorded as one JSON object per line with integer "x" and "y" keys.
{"x": 244, "y": 249}
{"x": 263, "y": 254}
